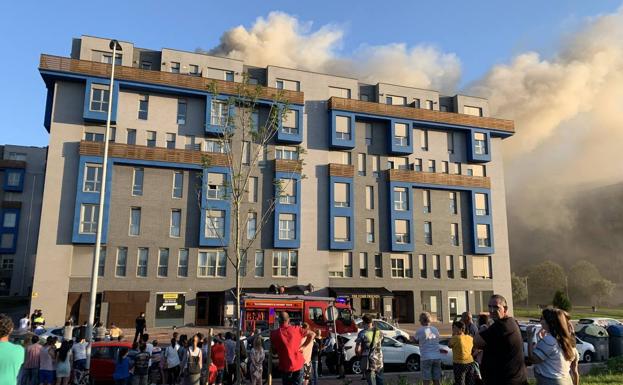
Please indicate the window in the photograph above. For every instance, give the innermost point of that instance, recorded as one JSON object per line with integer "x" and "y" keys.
{"x": 480, "y": 143}
{"x": 452, "y": 203}
{"x": 369, "y": 197}
{"x": 481, "y": 267}
{"x": 424, "y": 139}
{"x": 178, "y": 184}
{"x": 251, "y": 225}
{"x": 9, "y": 220}
{"x": 482, "y": 232}
{"x": 428, "y": 233}
{"x": 342, "y": 266}
{"x": 376, "y": 165}
{"x": 378, "y": 265}
{"x": 363, "y": 265}
{"x": 163, "y": 263}
{"x": 193, "y": 70}
{"x": 88, "y": 218}
{"x": 422, "y": 266}
{"x": 400, "y": 134}
{"x": 283, "y": 84}
{"x": 113, "y": 134}
{"x": 400, "y": 163}
{"x": 436, "y": 267}
{"x": 463, "y": 266}
{"x": 192, "y": 143}
{"x": 216, "y": 186}
{"x": 17, "y": 156}
{"x": 175, "y": 67}
{"x": 429, "y": 104}
{"x": 215, "y": 224}
{"x": 255, "y": 121}
{"x": 252, "y": 189}
{"x": 454, "y": 234}
{"x": 342, "y": 127}
{"x": 450, "y": 266}
{"x": 212, "y": 264}
{"x": 219, "y": 113}
{"x": 341, "y": 231}
{"x": 244, "y": 262}
{"x": 369, "y": 230}
{"x": 402, "y": 231}
{"x": 396, "y": 100}
{"x": 426, "y": 201}
{"x": 286, "y": 153}
{"x": 146, "y": 65}
{"x": 456, "y": 168}
{"x": 417, "y": 164}
{"x": 131, "y": 138}
{"x": 151, "y": 138}
{"x": 122, "y": 261}
{"x": 285, "y": 263}
{"x": 341, "y": 195}
{"x": 401, "y": 266}
{"x": 170, "y": 140}
{"x": 340, "y": 157}
{"x": 474, "y": 111}
{"x": 444, "y": 167}
{"x": 137, "y": 181}
{"x": 143, "y": 106}
{"x": 339, "y": 92}
{"x": 401, "y": 200}
{"x": 176, "y": 223}
{"x": 287, "y": 191}
{"x": 216, "y": 145}
{"x": 279, "y": 84}
{"x": 7, "y": 241}
{"x": 290, "y": 122}
{"x": 101, "y": 263}
{"x": 431, "y": 165}
{"x": 476, "y": 170}
{"x": 182, "y": 263}
{"x": 482, "y": 207}
{"x": 259, "y": 263}
{"x": 135, "y": 221}
{"x": 364, "y": 98}
{"x": 450, "y": 137}
{"x": 228, "y": 76}
{"x": 361, "y": 164}
{"x": 92, "y": 177}
{"x": 93, "y": 137}
{"x": 368, "y": 133}
{"x": 141, "y": 264}
{"x": 107, "y": 58}
{"x": 287, "y": 226}
{"x": 246, "y": 152}
{"x": 99, "y": 98}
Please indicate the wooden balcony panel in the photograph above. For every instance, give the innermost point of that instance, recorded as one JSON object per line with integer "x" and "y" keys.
{"x": 117, "y": 150}
{"x": 7, "y": 163}
{"x": 410, "y": 176}
{"x": 342, "y": 170}
{"x": 421, "y": 114}
{"x": 292, "y": 166}
{"x": 85, "y": 67}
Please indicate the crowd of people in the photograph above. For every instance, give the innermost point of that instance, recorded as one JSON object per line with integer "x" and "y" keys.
{"x": 489, "y": 352}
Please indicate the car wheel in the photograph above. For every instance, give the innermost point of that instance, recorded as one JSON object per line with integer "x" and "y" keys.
{"x": 588, "y": 357}
{"x": 401, "y": 339}
{"x": 413, "y": 363}
{"x": 355, "y": 366}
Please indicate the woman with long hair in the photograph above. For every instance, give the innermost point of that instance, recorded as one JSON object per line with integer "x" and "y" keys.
{"x": 63, "y": 363}
{"x": 194, "y": 361}
{"x": 257, "y": 361}
{"x": 555, "y": 351}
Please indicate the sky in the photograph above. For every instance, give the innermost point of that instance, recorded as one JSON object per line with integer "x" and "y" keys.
{"x": 480, "y": 34}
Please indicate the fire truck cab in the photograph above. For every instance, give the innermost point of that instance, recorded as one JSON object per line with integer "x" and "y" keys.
{"x": 329, "y": 315}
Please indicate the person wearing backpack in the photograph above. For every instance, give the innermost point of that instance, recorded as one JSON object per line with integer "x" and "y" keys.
{"x": 194, "y": 362}
{"x": 368, "y": 344}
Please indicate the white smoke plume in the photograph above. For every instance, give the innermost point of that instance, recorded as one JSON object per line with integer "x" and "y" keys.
{"x": 281, "y": 39}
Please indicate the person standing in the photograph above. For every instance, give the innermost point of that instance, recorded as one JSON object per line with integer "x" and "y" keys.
{"x": 12, "y": 355}
{"x": 47, "y": 356}
{"x": 79, "y": 350}
{"x": 287, "y": 342}
{"x": 553, "y": 354}
{"x": 31, "y": 364}
{"x": 63, "y": 363}
{"x": 307, "y": 353}
{"x": 462, "y": 360}
{"x": 100, "y": 332}
{"x": 257, "y": 361}
{"x": 24, "y": 323}
{"x": 502, "y": 345}
{"x": 230, "y": 358}
{"x": 141, "y": 367}
{"x": 140, "y": 326}
{"x": 121, "y": 375}
{"x": 194, "y": 362}
{"x": 172, "y": 363}
{"x": 470, "y": 327}
{"x": 68, "y": 331}
{"x": 217, "y": 354}
{"x": 315, "y": 358}
{"x": 368, "y": 344}
{"x": 115, "y": 332}
{"x": 427, "y": 337}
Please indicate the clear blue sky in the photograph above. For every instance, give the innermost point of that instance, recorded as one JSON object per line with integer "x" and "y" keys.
{"x": 481, "y": 33}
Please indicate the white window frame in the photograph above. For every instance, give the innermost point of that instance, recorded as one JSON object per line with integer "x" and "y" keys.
{"x": 121, "y": 266}
{"x": 97, "y": 182}
{"x": 104, "y": 95}
{"x": 143, "y": 106}
{"x": 258, "y": 270}
{"x": 177, "y": 191}
{"x": 251, "y": 225}
{"x": 163, "y": 269}
{"x": 182, "y": 269}
{"x": 137, "y": 189}
{"x": 142, "y": 267}
{"x": 219, "y": 113}
{"x": 290, "y": 269}
{"x": 428, "y": 236}
{"x": 287, "y": 228}
{"x": 92, "y": 220}
{"x": 286, "y": 153}
{"x": 283, "y": 197}
{"x": 215, "y": 226}
{"x": 401, "y": 199}
{"x": 175, "y": 232}
{"x": 135, "y": 228}
{"x": 214, "y": 266}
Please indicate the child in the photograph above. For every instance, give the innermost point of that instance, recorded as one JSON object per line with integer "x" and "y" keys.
{"x": 462, "y": 361}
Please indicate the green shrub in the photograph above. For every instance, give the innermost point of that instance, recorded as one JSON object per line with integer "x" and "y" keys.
{"x": 561, "y": 301}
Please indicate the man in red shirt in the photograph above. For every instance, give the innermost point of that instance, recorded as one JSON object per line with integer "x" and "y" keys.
{"x": 218, "y": 359}
{"x": 287, "y": 342}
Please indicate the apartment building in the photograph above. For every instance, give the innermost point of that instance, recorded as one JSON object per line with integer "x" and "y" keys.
{"x": 399, "y": 205}
{"x": 22, "y": 171}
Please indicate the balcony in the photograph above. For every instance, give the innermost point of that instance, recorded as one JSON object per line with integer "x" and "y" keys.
{"x": 89, "y": 68}
{"x": 7, "y": 163}
{"x": 341, "y": 170}
{"x": 410, "y": 176}
{"x": 287, "y": 165}
{"x": 127, "y": 151}
{"x": 412, "y": 113}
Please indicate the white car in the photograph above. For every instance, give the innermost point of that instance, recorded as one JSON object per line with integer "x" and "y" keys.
{"x": 585, "y": 350}
{"x": 395, "y": 353}
{"x": 388, "y": 330}
{"x": 603, "y": 322}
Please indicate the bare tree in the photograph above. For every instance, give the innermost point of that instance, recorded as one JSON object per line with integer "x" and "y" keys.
{"x": 243, "y": 141}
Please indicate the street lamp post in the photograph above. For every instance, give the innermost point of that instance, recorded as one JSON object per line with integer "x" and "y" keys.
{"x": 115, "y": 46}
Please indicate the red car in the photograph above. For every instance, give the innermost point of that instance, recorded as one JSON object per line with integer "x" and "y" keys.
{"x": 103, "y": 357}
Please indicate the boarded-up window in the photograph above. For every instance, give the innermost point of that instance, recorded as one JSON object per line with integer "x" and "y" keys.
{"x": 340, "y": 194}
{"x": 341, "y": 232}
{"x": 401, "y": 226}
{"x": 400, "y": 129}
{"x": 342, "y": 124}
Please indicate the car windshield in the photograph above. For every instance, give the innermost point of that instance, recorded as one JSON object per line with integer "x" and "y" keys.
{"x": 344, "y": 315}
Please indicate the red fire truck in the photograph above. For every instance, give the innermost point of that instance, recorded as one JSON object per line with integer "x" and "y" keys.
{"x": 261, "y": 311}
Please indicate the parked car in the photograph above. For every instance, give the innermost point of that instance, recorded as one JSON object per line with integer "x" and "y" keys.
{"x": 395, "y": 353}
{"x": 603, "y": 322}
{"x": 585, "y": 350}
{"x": 103, "y": 357}
{"x": 388, "y": 330}
{"x": 446, "y": 352}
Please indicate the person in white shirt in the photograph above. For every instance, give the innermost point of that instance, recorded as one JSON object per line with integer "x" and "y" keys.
{"x": 430, "y": 359}
{"x": 24, "y": 323}
{"x": 172, "y": 363}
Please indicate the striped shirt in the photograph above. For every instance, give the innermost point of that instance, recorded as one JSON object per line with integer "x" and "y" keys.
{"x": 32, "y": 356}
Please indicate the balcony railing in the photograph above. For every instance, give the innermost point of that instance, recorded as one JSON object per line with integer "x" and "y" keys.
{"x": 411, "y": 176}
{"x": 343, "y": 170}
{"x": 90, "y": 68}
{"x": 405, "y": 112}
